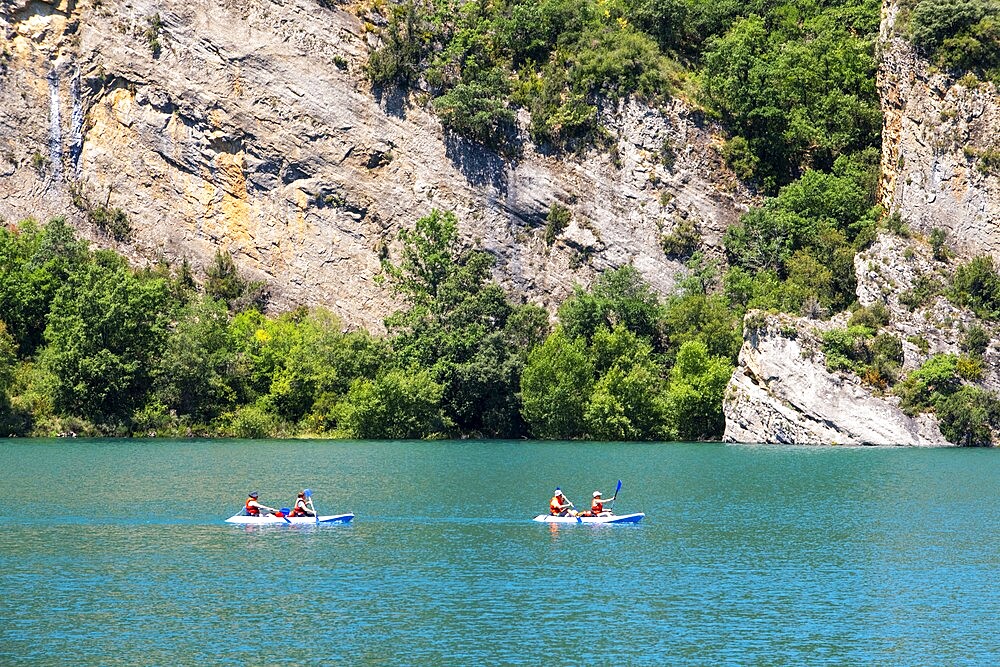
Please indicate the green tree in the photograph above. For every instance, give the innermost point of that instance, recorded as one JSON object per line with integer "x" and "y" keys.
{"x": 398, "y": 405}
{"x": 968, "y": 417}
{"x": 8, "y": 360}
{"x": 34, "y": 262}
{"x": 977, "y": 285}
{"x": 936, "y": 379}
{"x": 462, "y": 328}
{"x": 620, "y": 296}
{"x": 555, "y": 387}
{"x": 191, "y": 376}
{"x": 694, "y": 400}
{"x": 106, "y": 328}
{"x": 627, "y": 400}
{"x": 223, "y": 281}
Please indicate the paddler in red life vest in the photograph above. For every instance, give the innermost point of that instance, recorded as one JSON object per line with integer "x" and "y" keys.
{"x": 596, "y": 506}
{"x": 303, "y": 506}
{"x": 254, "y": 508}
{"x": 560, "y": 505}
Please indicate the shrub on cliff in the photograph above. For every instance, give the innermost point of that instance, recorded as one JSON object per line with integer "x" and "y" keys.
{"x": 977, "y": 285}
{"x": 958, "y": 34}
{"x": 969, "y": 416}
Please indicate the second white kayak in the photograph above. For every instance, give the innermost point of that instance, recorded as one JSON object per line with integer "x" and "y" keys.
{"x": 612, "y": 518}
{"x": 288, "y": 520}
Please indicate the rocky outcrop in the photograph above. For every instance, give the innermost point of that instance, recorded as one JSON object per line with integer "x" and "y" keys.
{"x": 248, "y": 126}
{"x": 940, "y": 146}
{"x": 888, "y": 270}
{"x": 782, "y": 393}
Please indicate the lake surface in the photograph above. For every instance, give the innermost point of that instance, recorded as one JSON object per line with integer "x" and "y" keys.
{"x": 115, "y": 553}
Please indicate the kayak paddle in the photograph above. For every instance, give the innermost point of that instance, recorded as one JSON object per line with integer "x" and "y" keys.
{"x": 617, "y": 489}
{"x": 309, "y": 497}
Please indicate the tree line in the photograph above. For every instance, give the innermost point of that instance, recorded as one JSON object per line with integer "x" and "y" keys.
{"x": 91, "y": 346}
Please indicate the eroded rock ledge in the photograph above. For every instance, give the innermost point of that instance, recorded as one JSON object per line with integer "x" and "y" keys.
{"x": 782, "y": 393}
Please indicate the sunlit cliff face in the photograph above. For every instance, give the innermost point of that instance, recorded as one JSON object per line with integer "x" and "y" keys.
{"x": 250, "y": 127}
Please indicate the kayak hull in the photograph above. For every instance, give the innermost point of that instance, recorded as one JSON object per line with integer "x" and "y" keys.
{"x": 614, "y": 518}
{"x": 289, "y": 520}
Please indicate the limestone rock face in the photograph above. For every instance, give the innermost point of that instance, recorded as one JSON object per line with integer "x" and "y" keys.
{"x": 781, "y": 392}
{"x": 889, "y": 269}
{"x": 248, "y": 127}
{"x": 935, "y": 134}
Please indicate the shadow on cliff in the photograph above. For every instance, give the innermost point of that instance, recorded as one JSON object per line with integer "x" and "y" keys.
{"x": 391, "y": 98}
{"x": 480, "y": 166}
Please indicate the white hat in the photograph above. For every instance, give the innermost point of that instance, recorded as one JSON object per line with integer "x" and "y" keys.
{"x": 559, "y": 492}
{"x": 597, "y": 494}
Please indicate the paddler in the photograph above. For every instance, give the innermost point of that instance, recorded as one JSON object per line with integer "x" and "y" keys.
{"x": 254, "y": 508}
{"x": 560, "y": 505}
{"x": 303, "y": 505}
{"x": 596, "y": 506}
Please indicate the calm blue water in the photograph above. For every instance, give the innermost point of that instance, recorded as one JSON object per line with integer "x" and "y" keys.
{"x": 115, "y": 553}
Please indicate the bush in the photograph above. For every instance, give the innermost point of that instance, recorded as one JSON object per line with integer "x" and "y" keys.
{"x": 977, "y": 286}
{"x": 923, "y": 388}
{"x": 874, "y": 317}
{"x": 924, "y": 289}
{"x": 111, "y": 220}
{"x": 975, "y": 341}
{"x": 683, "y": 240}
{"x": 556, "y": 221}
{"x": 254, "y": 421}
{"x": 968, "y": 417}
{"x": 938, "y": 247}
{"x": 399, "y": 405}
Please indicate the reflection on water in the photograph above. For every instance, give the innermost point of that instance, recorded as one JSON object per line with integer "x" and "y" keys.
{"x": 115, "y": 553}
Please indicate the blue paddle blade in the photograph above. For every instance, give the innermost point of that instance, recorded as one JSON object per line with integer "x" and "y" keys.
{"x": 286, "y": 511}
{"x": 619, "y": 488}
{"x": 307, "y": 493}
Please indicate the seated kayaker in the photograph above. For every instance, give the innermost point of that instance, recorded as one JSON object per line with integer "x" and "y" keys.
{"x": 596, "y": 506}
{"x": 254, "y": 508}
{"x": 560, "y": 505}
{"x": 303, "y": 506}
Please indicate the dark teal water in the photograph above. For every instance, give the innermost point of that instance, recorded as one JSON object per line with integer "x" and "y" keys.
{"x": 115, "y": 553}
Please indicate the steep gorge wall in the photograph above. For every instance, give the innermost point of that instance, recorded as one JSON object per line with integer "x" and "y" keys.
{"x": 251, "y": 129}
{"x": 936, "y": 131}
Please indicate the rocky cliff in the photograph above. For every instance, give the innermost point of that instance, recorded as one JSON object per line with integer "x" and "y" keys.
{"x": 940, "y": 145}
{"x": 249, "y": 127}
{"x": 939, "y": 171}
{"x": 782, "y": 391}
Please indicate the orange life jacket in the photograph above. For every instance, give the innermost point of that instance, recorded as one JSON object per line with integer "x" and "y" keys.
{"x": 555, "y": 507}
{"x": 299, "y": 509}
{"x": 597, "y": 507}
{"x": 250, "y": 509}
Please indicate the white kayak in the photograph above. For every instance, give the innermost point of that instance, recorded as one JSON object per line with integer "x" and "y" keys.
{"x": 607, "y": 518}
{"x": 287, "y": 520}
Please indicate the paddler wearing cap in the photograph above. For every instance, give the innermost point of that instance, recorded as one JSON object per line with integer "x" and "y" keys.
{"x": 560, "y": 505}
{"x": 597, "y": 506}
{"x": 254, "y": 508}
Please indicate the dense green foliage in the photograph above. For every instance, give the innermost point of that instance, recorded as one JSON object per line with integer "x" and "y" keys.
{"x": 977, "y": 285}
{"x": 967, "y": 414}
{"x": 112, "y": 350}
{"x": 962, "y": 35}
{"x": 794, "y": 80}
{"x": 796, "y": 253}
{"x": 625, "y": 366}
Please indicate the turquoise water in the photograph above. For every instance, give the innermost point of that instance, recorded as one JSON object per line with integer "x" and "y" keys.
{"x": 115, "y": 553}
